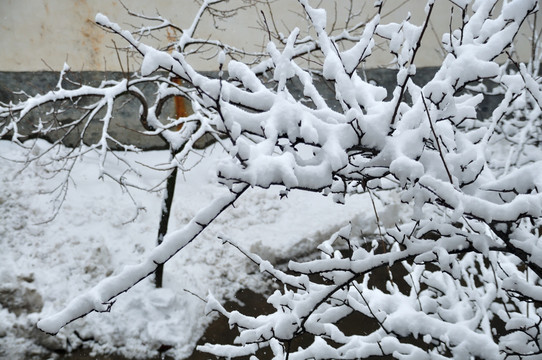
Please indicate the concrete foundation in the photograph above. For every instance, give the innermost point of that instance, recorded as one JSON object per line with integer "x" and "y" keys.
{"x": 126, "y": 126}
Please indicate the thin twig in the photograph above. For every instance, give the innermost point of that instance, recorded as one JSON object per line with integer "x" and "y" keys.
{"x": 437, "y": 141}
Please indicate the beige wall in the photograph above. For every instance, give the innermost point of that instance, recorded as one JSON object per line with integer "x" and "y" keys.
{"x": 37, "y": 34}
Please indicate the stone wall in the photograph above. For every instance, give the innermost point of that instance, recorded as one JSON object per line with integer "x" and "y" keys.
{"x": 126, "y": 127}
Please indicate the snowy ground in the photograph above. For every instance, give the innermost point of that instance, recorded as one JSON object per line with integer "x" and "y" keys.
{"x": 42, "y": 266}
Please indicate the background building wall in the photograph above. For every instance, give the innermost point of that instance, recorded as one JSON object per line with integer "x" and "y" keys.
{"x": 37, "y": 35}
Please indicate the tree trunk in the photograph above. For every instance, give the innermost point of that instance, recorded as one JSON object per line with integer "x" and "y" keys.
{"x": 167, "y": 201}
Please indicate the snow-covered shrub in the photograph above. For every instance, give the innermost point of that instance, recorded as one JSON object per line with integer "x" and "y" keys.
{"x": 461, "y": 272}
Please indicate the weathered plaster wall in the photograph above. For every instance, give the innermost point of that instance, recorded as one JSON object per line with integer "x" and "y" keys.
{"x": 39, "y": 35}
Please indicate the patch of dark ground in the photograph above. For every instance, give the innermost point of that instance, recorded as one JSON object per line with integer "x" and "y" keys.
{"x": 218, "y": 332}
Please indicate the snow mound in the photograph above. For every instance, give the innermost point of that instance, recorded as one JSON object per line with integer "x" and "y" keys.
{"x": 46, "y": 264}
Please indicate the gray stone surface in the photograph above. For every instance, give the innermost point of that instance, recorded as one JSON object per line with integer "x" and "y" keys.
{"x": 18, "y": 295}
{"x": 126, "y": 127}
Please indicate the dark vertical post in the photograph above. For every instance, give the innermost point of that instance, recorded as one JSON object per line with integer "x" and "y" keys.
{"x": 167, "y": 202}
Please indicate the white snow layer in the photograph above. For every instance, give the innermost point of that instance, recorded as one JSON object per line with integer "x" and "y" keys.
{"x": 92, "y": 238}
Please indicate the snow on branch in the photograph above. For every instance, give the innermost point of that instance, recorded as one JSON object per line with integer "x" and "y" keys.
{"x": 447, "y": 279}
{"x": 101, "y": 297}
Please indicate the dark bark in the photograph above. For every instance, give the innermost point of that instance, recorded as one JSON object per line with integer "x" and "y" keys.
{"x": 167, "y": 201}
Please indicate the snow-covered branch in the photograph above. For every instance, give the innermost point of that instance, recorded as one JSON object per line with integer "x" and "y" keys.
{"x": 447, "y": 279}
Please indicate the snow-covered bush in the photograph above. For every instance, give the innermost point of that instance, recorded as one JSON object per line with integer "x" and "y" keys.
{"x": 459, "y": 277}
